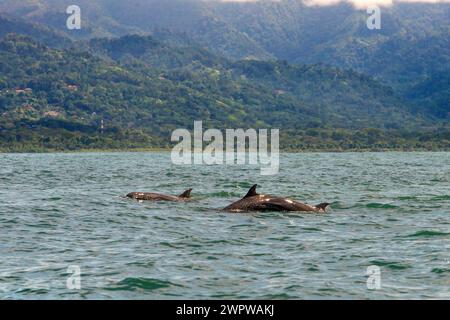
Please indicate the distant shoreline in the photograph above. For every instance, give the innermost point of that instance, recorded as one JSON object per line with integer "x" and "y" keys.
{"x": 167, "y": 150}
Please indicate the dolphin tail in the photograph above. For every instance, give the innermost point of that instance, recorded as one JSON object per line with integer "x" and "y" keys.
{"x": 323, "y": 206}
{"x": 186, "y": 194}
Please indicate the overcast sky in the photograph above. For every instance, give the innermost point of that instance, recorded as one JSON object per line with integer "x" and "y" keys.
{"x": 358, "y": 3}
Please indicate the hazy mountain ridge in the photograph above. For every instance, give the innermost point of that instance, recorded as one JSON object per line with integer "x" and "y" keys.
{"x": 145, "y": 85}
{"x": 57, "y": 98}
{"x": 284, "y": 29}
{"x": 248, "y": 85}
{"x": 39, "y": 32}
{"x": 412, "y": 46}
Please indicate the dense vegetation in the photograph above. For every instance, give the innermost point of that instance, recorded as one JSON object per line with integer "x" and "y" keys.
{"x": 57, "y": 99}
{"x": 285, "y": 29}
{"x": 38, "y": 32}
{"x": 409, "y": 52}
{"x": 57, "y": 87}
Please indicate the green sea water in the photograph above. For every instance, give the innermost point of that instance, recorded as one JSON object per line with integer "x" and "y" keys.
{"x": 390, "y": 210}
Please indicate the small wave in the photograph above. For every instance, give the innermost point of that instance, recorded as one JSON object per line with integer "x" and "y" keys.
{"x": 407, "y": 198}
{"x": 440, "y": 270}
{"x": 428, "y": 233}
{"x": 219, "y": 241}
{"x": 156, "y": 217}
{"x": 313, "y": 268}
{"x": 328, "y": 290}
{"x": 312, "y": 229}
{"x": 51, "y": 199}
{"x": 33, "y": 291}
{"x": 376, "y": 205}
{"x": 146, "y": 264}
{"x": 260, "y": 254}
{"x": 46, "y": 210}
{"x": 278, "y": 296}
{"x": 390, "y": 264}
{"x": 132, "y": 284}
{"x": 168, "y": 244}
{"x": 440, "y": 198}
{"x": 280, "y": 238}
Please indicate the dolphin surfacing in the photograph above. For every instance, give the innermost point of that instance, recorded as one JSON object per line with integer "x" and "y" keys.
{"x": 150, "y": 196}
{"x": 261, "y": 202}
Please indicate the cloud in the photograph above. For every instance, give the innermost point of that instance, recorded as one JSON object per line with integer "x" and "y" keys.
{"x": 365, "y": 3}
{"x": 241, "y": 0}
{"x": 356, "y": 3}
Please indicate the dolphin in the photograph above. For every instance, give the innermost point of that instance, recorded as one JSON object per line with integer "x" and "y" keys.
{"x": 261, "y": 202}
{"x": 159, "y": 197}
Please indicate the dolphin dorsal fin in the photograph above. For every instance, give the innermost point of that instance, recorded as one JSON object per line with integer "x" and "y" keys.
{"x": 186, "y": 194}
{"x": 252, "y": 192}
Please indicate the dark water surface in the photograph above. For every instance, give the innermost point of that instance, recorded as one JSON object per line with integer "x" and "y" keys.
{"x": 390, "y": 210}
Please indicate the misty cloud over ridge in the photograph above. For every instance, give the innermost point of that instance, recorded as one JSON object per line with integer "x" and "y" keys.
{"x": 356, "y": 3}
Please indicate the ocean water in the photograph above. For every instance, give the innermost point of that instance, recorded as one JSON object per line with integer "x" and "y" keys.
{"x": 389, "y": 210}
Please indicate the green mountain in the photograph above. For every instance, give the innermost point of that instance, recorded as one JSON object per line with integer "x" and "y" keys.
{"x": 316, "y": 72}
{"x": 39, "y": 32}
{"x": 57, "y": 99}
{"x": 151, "y": 51}
{"x": 432, "y": 95}
{"x": 411, "y": 48}
{"x": 285, "y": 30}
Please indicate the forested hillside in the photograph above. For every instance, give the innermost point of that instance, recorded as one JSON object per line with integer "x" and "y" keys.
{"x": 40, "y": 33}
{"x": 314, "y": 72}
{"x": 50, "y": 94}
{"x": 411, "y": 49}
